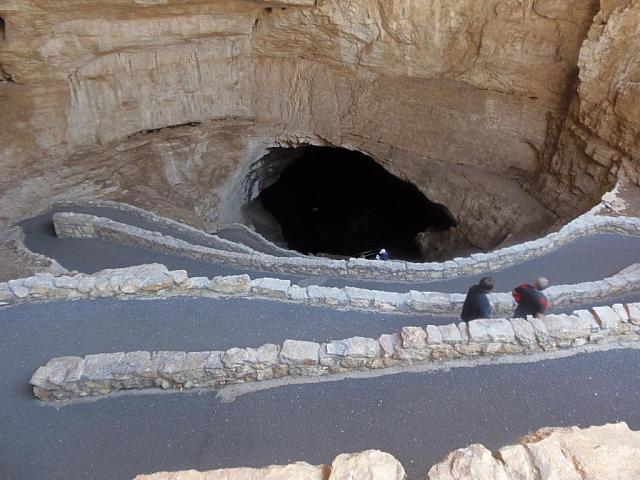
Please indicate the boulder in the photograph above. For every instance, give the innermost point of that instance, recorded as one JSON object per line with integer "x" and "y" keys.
{"x": 497, "y": 330}
{"x": 388, "y": 301}
{"x": 450, "y": 333}
{"x": 369, "y": 465}
{"x": 430, "y": 302}
{"x": 474, "y": 462}
{"x": 258, "y": 357}
{"x": 634, "y": 313}
{"x": 57, "y": 371}
{"x": 607, "y": 317}
{"x": 295, "y": 471}
{"x": 434, "y": 335}
{"x": 326, "y": 295}
{"x": 605, "y": 452}
{"x": 296, "y": 352}
{"x": 360, "y": 347}
{"x": 524, "y": 331}
{"x": 197, "y": 283}
{"x": 235, "y": 285}
{"x": 270, "y": 287}
{"x": 413, "y": 337}
{"x": 388, "y": 343}
{"x": 595, "y": 453}
{"x": 298, "y": 294}
{"x": 567, "y": 327}
{"x": 359, "y": 297}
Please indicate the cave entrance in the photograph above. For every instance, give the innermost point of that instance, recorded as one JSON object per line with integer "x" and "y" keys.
{"x": 333, "y": 201}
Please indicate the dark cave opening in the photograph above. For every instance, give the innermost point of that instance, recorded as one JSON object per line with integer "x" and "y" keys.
{"x": 341, "y": 202}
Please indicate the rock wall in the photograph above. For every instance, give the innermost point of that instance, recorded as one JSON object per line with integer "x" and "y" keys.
{"x": 611, "y": 451}
{"x": 600, "y": 138}
{"x": 77, "y": 225}
{"x": 594, "y": 453}
{"x": 369, "y": 465}
{"x": 70, "y": 378}
{"x": 169, "y": 104}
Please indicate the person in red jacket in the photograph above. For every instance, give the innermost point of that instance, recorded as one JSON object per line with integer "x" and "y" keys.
{"x": 530, "y": 299}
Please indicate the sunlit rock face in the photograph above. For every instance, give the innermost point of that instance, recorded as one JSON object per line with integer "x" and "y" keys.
{"x": 513, "y": 115}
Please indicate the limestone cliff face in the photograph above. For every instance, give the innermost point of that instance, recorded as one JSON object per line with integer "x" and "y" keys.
{"x": 473, "y": 101}
{"x": 600, "y": 138}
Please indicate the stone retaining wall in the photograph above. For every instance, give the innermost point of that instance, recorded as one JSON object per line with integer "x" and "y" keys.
{"x": 284, "y": 252}
{"x": 88, "y": 226}
{"x": 166, "y": 222}
{"x": 205, "y": 238}
{"x": 14, "y": 238}
{"x": 67, "y": 378}
{"x": 596, "y": 453}
{"x": 157, "y": 280}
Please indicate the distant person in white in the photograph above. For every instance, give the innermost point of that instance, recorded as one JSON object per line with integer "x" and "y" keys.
{"x": 382, "y": 255}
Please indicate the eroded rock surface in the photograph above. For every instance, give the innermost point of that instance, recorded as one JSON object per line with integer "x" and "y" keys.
{"x": 171, "y": 104}
{"x": 596, "y": 453}
{"x": 609, "y": 451}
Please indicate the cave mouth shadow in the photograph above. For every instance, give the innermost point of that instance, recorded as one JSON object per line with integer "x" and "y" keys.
{"x": 334, "y": 201}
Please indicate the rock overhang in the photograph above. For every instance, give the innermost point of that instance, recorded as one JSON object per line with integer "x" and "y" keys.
{"x": 436, "y": 102}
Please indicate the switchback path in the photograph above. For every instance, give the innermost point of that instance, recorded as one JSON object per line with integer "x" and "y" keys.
{"x": 418, "y": 417}
{"x": 586, "y": 259}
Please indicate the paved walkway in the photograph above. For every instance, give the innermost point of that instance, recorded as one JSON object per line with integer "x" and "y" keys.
{"x": 572, "y": 263}
{"x": 419, "y": 417}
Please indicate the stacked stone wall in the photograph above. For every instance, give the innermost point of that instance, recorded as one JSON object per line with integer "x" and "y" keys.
{"x": 74, "y": 225}
{"x": 153, "y": 280}
{"x": 199, "y": 235}
{"x": 67, "y": 378}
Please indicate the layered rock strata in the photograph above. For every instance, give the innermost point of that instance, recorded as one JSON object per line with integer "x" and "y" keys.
{"x": 171, "y": 104}
{"x": 594, "y": 453}
{"x": 67, "y": 378}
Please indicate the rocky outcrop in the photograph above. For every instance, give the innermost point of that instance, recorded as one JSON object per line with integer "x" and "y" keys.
{"x": 297, "y": 471}
{"x": 595, "y": 453}
{"x": 369, "y": 465}
{"x": 171, "y": 104}
{"x": 600, "y": 137}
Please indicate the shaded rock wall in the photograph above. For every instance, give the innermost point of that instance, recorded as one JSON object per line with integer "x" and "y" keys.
{"x": 600, "y": 138}
{"x": 169, "y": 104}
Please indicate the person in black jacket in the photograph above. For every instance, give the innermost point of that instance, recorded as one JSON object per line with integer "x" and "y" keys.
{"x": 477, "y": 304}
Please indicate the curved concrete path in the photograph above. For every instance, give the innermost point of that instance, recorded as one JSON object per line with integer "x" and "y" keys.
{"x": 418, "y": 417}
{"x": 572, "y": 263}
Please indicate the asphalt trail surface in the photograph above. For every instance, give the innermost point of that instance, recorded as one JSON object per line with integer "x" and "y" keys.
{"x": 573, "y": 263}
{"x": 231, "y": 233}
{"x": 418, "y": 417}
